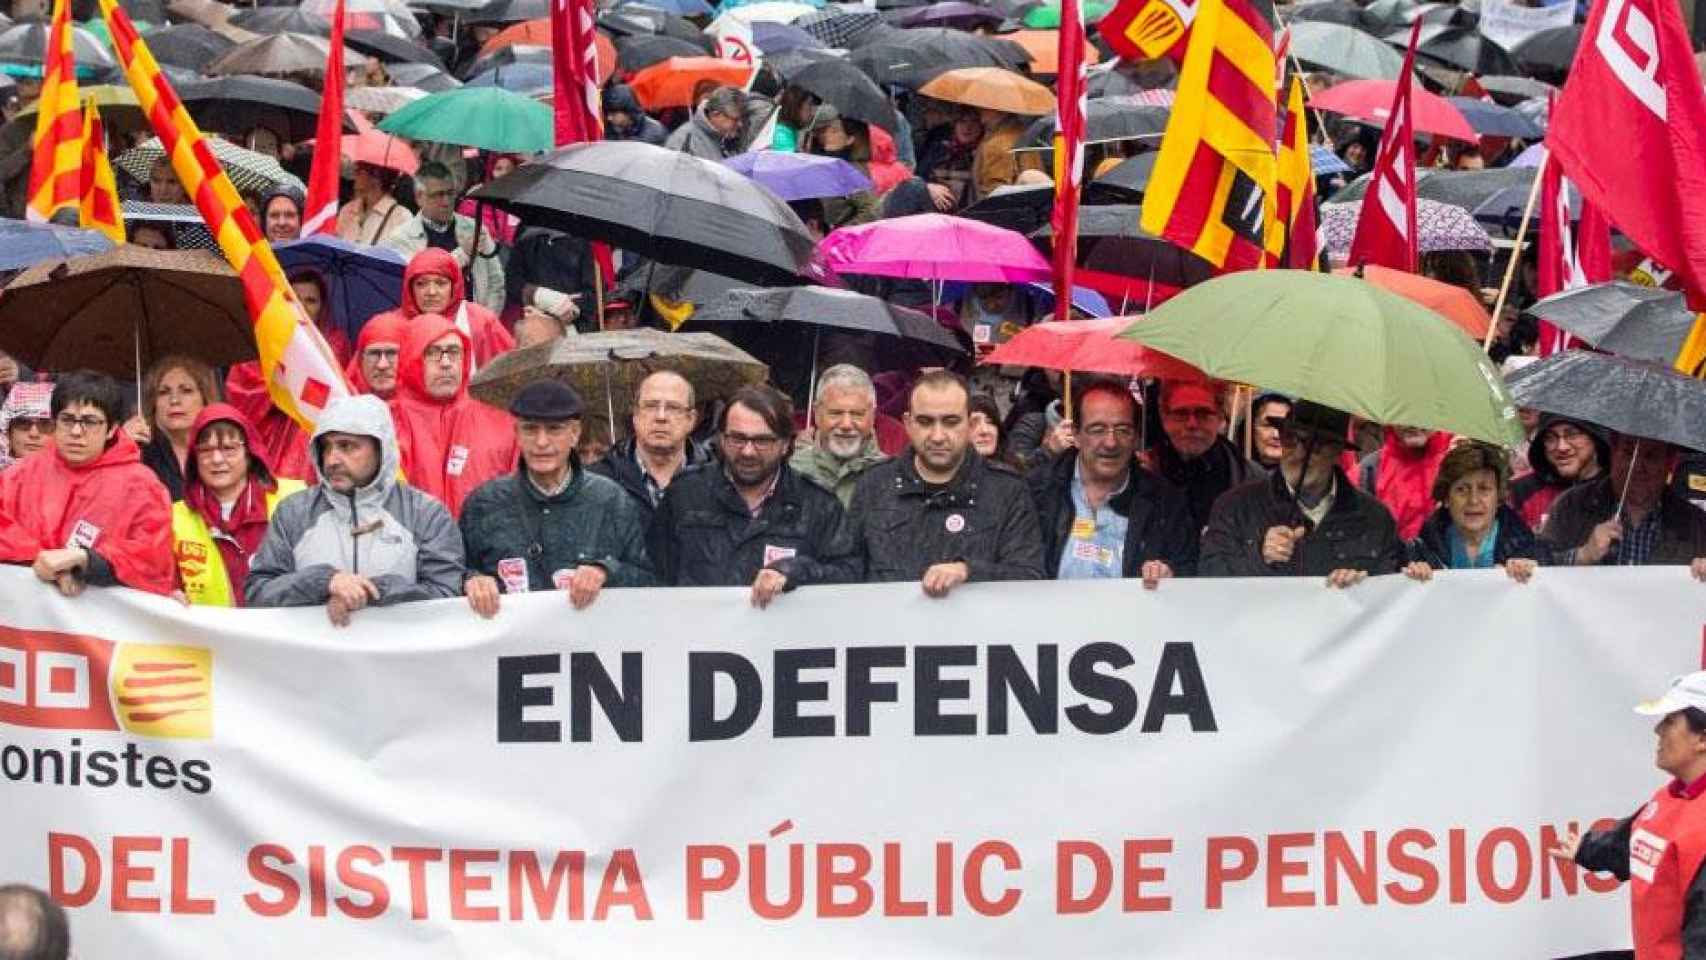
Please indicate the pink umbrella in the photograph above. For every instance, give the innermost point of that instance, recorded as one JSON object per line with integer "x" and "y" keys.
{"x": 935, "y": 247}
{"x": 1372, "y": 100}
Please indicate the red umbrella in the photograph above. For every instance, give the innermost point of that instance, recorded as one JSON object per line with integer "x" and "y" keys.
{"x": 1089, "y": 345}
{"x": 1372, "y": 100}
{"x": 380, "y": 150}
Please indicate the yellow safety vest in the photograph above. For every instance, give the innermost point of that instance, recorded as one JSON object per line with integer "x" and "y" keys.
{"x": 199, "y": 561}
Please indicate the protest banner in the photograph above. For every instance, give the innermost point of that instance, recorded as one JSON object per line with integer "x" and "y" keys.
{"x": 1507, "y": 23}
{"x": 1217, "y": 768}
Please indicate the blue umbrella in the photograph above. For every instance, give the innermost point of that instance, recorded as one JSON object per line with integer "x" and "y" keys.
{"x": 800, "y": 176}
{"x": 1491, "y": 120}
{"x": 522, "y": 78}
{"x": 360, "y": 280}
{"x": 1325, "y": 161}
{"x": 772, "y": 38}
{"x": 24, "y": 244}
{"x": 681, "y": 8}
{"x": 1083, "y": 298}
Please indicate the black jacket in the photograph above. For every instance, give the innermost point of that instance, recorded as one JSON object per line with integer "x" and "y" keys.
{"x": 703, "y": 536}
{"x": 1204, "y": 479}
{"x": 1541, "y": 472}
{"x": 619, "y": 465}
{"x": 1358, "y": 533}
{"x": 1158, "y": 523}
{"x": 1682, "y": 535}
{"x": 1433, "y": 545}
{"x": 591, "y": 522}
{"x": 983, "y": 517}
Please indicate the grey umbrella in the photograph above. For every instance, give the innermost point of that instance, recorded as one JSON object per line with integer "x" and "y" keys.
{"x": 1345, "y": 50}
{"x": 1641, "y": 323}
{"x": 26, "y": 43}
{"x": 279, "y": 53}
{"x": 828, "y": 307}
{"x": 1457, "y": 47}
{"x": 1633, "y": 397}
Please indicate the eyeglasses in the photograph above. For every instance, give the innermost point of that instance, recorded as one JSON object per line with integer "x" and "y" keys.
{"x": 665, "y": 407}
{"x": 227, "y": 450}
{"x": 38, "y": 424}
{"x": 1197, "y": 414}
{"x": 1101, "y": 431}
{"x": 441, "y": 354}
{"x": 738, "y": 441}
{"x": 1561, "y": 436}
{"x": 71, "y": 423}
{"x": 437, "y": 194}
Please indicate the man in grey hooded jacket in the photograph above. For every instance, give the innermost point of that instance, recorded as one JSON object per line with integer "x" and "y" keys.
{"x": 360, "y": 537}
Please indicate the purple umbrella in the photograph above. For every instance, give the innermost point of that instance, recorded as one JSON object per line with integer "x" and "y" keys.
{"x": 935, "y": 247}
{"x": 800, "y": 176}
{"x": 951, "y": 13}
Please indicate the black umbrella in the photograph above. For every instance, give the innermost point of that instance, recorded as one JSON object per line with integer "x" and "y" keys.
{"x": 1027, "y": 208}
{"x": 639, "y": 52}
{"x": 509, "y": 56}
{"x": 1493, "y": 120}
{"x": 958, "y": 14}
{"x": 26, "y": 43}
{"x": 1513, "y": 90}
{"x": 508, "y": 11}
{"x": 1106, "y": 118}
{"x": 912, "y": 58}
{"x": 847, "y": 89}
{"x": 828, "y": 307}
{"x": 1457, "y": 47}
{"x": 1640, "y": 323}
{"x": 281, "y": 20}
{"x": 188, "y": 45}
{"x": 1634, "y": 397}
{"x": 637, "y": 19}
{"x": 1330, "y": 11}
{"x": 1132, "y": 173}
{"x": 239, "y": 103}
{"x": 1548, "y": 52}
{"x": 1111, "y": 240}
{"x": 662, "y": 204}
{"x": 1469, "y": 189}
{"x": 422, "y": 76}
{"x": 390, "y": 48}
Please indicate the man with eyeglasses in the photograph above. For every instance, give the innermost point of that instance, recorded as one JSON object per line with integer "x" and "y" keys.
{"x": 550, "y": 525}
{"x": 1101, "y": 512}
{"x": 645, "y": 462}
{"x": 939, "y": 514}
{"x": 1305, "y": 519}
{"x": 88, "y": 512}
{"x": 1192, "y": 453}
{"x": 1629, "y": 515}
{"x": 439, "y": 226}
{"x": 450, "y": 443}
{"x": 1564, "y": 452}
{"x": 751, "y": 519}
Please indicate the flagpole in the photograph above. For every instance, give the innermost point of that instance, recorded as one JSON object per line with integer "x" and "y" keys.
{"x": 1516, "y": 255}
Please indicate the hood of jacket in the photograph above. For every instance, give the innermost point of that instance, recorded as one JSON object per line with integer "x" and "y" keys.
{"x": 213, "y": 413}
{"x": 432, "y": 260}
{"x": 1542, "y": 465}
{"x": 411, "y": 362}
{"x": 620, "y": 98}
{"x": 367, "y": 416}
{"x": 388, "y": 327}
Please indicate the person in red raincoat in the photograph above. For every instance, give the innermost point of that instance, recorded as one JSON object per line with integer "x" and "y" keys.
{"x": 88, "y": 512}
{"x": 432, "y": 283}
{"x": 1401, "y": 475}
{"x": 373, "y": 369}
{"x": 449, "y": 442}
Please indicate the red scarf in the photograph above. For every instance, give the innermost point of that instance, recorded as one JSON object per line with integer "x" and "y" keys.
{"x": 239, "y": 537}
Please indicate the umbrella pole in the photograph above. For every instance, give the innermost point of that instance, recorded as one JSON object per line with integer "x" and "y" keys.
{"x": 1149, "y": 291}
{"x": 136, "y": 340}
{"x": 1249, "y": 395}
{"x": 1516, "y": 256}
{"x": 609, "y": 404}
{"x": 1618, "y": 516}
{"x": 479, "y": 221}
{"x": 811, "y": 383}
{"x": 1066, "y": 402}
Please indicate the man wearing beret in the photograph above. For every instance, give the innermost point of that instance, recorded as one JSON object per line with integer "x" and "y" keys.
{"x": 551, "y": 525}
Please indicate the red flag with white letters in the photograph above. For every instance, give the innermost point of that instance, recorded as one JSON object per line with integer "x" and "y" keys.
{"x": 321, "y": 208}
{"x": 1630, "y": 131}
{"x": 1572, "y": 254}
{"x": 1386, "y": 226}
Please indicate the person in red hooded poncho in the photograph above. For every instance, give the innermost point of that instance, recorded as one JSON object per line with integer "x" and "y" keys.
{"x": 432, "y": 283}
{"x": 88, "y": 512}
{"x": 373, "y": 369}
{"x": 449, "y": 442}
{"x": 1401, "y": 475}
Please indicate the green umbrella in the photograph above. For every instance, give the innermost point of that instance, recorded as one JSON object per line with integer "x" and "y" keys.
{"x": 488, "y": 118}
{"x": 1339, "y": 341}
{"x": 1047, "y": 16}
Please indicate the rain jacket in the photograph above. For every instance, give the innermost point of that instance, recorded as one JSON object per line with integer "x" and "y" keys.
{"x": 983, "y": 518}
{"x": 114, "y": 507}
{"x": 619, "y": 98}
{"x": 1533, "y": 493}
{"x": 398, "y": 537}
{"x": 524, "y": 538}
{"x": 1357, "y": 533}
{"x": 697, "y": 138}
{"x": 1158, "y": 521}
{"x": 451, "y": 446}
{"x": 213, "y": 550}
{"x": 831, "y": 472}
{"x": 1682, "y": 534}
{"x": 387, "y": 327}
{"x": 410, "y": 240}
{"x": 996, "y": 165}
{"x": 703, "y": 536}
{"x": 1403, "y": 479}
{"x": 480, "y": 324}
{"x": 1514, "y": 541}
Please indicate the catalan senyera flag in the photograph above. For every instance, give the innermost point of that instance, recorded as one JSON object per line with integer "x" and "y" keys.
{"x": 97, "y": 195}
{"x": 301, "y": 375}
{"x": 321, "y": 208}
{"x": 1212, "y": 191}
{"x": 1293, "y": 240}
{"x": 1072, "y": 92}
{"x": 56, "y": 150}
{"x": 1148, "y": 29}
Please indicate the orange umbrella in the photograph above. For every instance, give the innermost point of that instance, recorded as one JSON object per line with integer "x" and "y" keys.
{"x": 670, "y": 83}
{"x": 380, "y": 150}
{"x": 1451, "y": 302}
{"x": 537, "y": 33}
{"x": 1044, "y": 49}
{"x": 991, "y": 88}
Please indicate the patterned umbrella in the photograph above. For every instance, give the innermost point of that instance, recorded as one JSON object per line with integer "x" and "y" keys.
{"x": 250, "y": 171}
{"x": 1439, "y": 226}
{"x": 840, "y": 25}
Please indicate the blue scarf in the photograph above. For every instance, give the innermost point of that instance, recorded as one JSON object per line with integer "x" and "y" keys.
{"x": 1460, "y": 558}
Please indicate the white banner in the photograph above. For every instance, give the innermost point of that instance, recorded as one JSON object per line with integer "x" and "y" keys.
{"x": 1506, "y": 22}
{"x": 1215, "y": 769}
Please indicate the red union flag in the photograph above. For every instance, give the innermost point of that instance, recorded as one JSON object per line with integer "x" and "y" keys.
{"x": 1386, "y": 225}
{"x": 574, "y": 76}
{"x": 1068, "y": 153}
{"x": 1630, "y": 132}
{"x": 321, "y": 215}
{"x": 1571, "y": 255}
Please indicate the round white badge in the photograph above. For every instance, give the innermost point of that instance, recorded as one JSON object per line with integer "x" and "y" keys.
{"x": 955, "y": 523}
